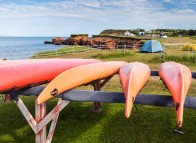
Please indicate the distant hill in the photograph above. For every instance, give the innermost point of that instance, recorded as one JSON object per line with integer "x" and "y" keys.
{"x": 121, "y": 31}
{"x": 170, "y": 32}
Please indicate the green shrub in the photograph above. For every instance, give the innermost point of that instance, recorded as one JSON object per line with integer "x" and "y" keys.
{"x": 176, "y": 58}
{"x": 114, "y": 54}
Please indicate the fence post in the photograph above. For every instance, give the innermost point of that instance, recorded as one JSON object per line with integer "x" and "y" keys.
{"x": 56, "y": 54}
{"x": 88, "y": 47}
{"x": 39, "y": 115}
{"x": 124, "y": 48}
{"x": 74, "y": 50}
{"x": 193, "y": 58}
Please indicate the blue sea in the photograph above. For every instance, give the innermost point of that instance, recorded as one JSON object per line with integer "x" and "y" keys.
{"x": 24, "y": 47}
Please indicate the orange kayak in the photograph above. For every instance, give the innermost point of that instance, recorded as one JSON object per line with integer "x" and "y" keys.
{"x": 78, "y": 76}
{"x": 17, "y": 74}
{"x": 177, "y": 78}
{"x": 133, "y": 77}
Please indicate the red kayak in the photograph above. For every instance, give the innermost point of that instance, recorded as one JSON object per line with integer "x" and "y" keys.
{"x": 177, "y": 78}
{"x": 17, "y": 74}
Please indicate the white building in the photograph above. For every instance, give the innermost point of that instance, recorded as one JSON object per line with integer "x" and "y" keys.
{"x": 127, "y": 33}
{"x": 141, "y": 34}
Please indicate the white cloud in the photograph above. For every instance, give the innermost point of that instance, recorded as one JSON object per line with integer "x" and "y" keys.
{"x": 167, "y": 0}
{"x": 3, "y": 10}
{"x": 101, "y": 14}
{"x": 190, "y": 1}
{"x": 186, "y": 11}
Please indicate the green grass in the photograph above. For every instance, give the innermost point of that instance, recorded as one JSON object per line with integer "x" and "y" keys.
{"x": 78, "y": 124}
{"x": 193, "y": 37}
{"x": 176, "y": 58}
{"x": 61, "y": 51}
{"x": 177, "y": 40}
{"x": 125, "y": 37}
{"x": 114, "y": 54}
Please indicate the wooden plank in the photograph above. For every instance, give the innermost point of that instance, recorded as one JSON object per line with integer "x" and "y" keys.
{"x": 40, "y": 112}
{"x": 117, "y": 97}
{"x": 60, "y": 106}
{"x": 97, "y": 105}
{"x": 105, "y": 81}
{"x": 39, "y": 123}
{"x": 26, "y": 114}
{"x": 52, "y": 129}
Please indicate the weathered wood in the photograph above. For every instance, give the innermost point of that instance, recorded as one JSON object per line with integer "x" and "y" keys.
{"x": 26, "y": 114}
{"x": 40, "y": 112}
{"x": 97, "y": 105}
{"x": 60, "y": 106}
{"x": 52, "y": 129}
{"x": 54, "y": 122}
{"x": 117, "y": 97}
{"x": 105, "y": 81}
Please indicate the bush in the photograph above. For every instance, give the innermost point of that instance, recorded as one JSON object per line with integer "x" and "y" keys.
{"x": 114, "y": 54}
{"x": 176, "y": 58}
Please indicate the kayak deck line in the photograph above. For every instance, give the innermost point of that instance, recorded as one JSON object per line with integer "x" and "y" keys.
{"x": 39, "y": 123}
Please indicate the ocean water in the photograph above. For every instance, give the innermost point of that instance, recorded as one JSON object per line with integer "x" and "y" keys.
{"x": 24, "y": 47}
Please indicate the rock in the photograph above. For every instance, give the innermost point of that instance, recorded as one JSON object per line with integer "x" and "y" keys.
{"x": 99, "y": 41}
{"x": 67, "y": 41}
{"x": 48, "y": 42}
{"x": 80, "y": 39}
{"x": 58, "y": 41}
{"x": 102, "y": 42}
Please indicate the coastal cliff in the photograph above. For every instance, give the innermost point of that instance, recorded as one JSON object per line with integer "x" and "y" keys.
{"x": 99, "y": 41}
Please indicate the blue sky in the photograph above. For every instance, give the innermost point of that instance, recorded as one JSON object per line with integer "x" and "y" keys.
{"x": 65, "y": 17}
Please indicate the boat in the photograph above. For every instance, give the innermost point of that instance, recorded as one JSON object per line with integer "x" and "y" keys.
{"x": 78, "y": 76}
{"x": 18, "y": 74}
{"x": 177, "y": 79}
{"x": 133, "y": 77}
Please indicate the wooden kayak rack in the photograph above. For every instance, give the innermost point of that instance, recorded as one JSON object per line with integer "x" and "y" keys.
{"x": 39, "y": 123}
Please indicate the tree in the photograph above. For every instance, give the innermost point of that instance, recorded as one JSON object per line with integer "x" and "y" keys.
{"x": 191, "y": 32}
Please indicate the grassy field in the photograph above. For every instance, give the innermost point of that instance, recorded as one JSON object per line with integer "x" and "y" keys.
{"x": 60, "y": 52}
{"x": 78, "y": 124}
{"x": 177, "y": 40}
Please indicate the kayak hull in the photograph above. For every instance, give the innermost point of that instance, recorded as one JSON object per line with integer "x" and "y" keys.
{"x": 133, "y": 77}
{"x": 78, "y": 76}
{"x": 17, "y": 74}
{"x": 177, "y": 78}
